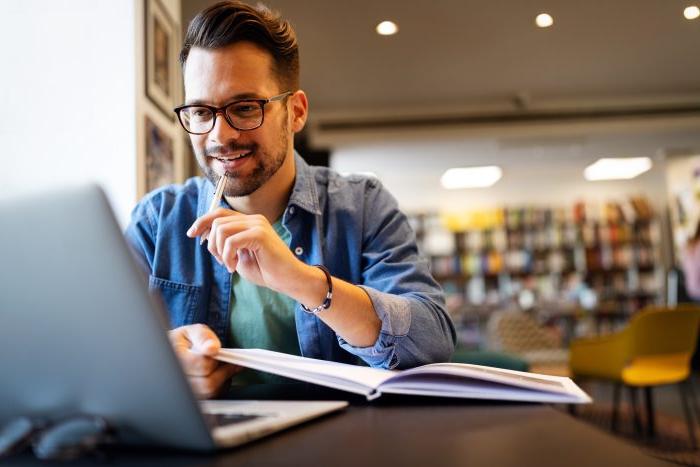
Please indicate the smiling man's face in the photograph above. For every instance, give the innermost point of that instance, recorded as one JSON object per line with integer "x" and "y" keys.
{"x": 218, "y": 77}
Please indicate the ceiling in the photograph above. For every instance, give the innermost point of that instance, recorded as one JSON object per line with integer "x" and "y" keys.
{"x": 481, "y": 68}
{"x": 456, "y": 53}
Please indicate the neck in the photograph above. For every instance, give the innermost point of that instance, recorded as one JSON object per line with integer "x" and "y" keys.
{"x": 271, "y": 199}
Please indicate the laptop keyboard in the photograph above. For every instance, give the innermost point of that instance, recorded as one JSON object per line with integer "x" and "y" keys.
{"x": 221, "y": 419}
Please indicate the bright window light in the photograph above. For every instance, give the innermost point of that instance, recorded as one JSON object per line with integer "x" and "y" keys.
{"x": 691, "y": 12}
{"x": 609, "y": 168}
{"x": 387, "y": 28}
{"x": 544, "y": 20}
{"x": 471, "y": 177}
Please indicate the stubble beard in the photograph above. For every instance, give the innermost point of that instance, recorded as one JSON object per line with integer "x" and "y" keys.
{"x": 266, "y": 165}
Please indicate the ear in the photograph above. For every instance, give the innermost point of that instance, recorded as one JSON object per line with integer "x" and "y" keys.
{"x": 299, "y": 110}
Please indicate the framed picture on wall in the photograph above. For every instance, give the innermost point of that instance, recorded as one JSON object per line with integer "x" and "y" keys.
{"x": 161, "y": 58}
{"x": 159, "y": 156}
{"x": 191, "y": 165}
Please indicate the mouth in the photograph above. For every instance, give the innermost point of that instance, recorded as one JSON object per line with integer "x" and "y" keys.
{"x": 233, "y": 157}
{"x": 231, "y": 162}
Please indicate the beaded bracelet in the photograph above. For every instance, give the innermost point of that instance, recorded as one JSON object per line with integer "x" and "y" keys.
{"x": 327, "y": 302}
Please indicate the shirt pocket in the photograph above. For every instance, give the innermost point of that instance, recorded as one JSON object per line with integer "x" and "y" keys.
{"x": 181, "y": 300}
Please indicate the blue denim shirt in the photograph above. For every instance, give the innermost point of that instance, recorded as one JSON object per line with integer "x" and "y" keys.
{"x": 350, "y": 224}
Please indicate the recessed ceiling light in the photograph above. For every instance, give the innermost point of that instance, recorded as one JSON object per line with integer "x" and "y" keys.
{"x": 691, "y": 12}
{"x": 471, "y": 177}
{"x": 387, "y": 28}
{"x": 624, "y": 168}
{"x": 544, "y": 20}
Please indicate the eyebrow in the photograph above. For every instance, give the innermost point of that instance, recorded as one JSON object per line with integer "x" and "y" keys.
{"x": 237, "y": 97}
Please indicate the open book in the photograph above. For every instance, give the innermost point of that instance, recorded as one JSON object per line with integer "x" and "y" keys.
{"x": 438, "y": 379}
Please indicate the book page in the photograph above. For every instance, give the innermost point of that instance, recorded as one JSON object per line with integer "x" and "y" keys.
{"x": 460, "y": 377}
{"x": 470, "y": 388}
{"x": 353, "y": 378}
{"x": 439, "y": 379}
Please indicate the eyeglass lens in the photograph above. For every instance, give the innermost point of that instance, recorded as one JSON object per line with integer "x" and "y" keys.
{"x": 243, "y": 115}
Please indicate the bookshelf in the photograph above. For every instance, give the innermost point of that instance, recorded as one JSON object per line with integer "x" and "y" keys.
{"x": 597, "y": 256}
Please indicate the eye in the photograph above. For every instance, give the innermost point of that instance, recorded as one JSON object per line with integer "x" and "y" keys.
{"x": 244, "y": 108}
{"x": 200, "y": 112}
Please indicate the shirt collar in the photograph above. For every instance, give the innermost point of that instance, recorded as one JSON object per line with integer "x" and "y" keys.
{"x": 304, "y": 193}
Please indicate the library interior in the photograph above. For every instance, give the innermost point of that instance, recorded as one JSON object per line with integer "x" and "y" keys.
{"x": 546, "y": 156}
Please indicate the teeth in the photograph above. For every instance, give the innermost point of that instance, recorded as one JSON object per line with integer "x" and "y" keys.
{"x": 226, "y": 159}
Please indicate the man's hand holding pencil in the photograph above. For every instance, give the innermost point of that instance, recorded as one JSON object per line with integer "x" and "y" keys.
{"x": 247, "y": 245}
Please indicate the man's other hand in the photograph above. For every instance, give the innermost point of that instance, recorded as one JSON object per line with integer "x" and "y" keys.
{"x": 195, "y": 346}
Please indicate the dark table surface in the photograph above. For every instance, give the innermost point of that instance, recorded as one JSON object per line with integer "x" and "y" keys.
{"x": 404, "y": 431}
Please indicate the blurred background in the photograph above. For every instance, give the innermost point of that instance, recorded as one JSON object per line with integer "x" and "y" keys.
{"x": 527, "y": 95}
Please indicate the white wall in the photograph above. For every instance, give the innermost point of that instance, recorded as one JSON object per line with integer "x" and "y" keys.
{"x": 73, "y": 76}
{"x": 67, "y": 88}
{"x": 683, "y": 181}
{"x": 539, "y": 171}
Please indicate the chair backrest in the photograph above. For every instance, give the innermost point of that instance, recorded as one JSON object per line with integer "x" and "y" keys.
{"x": 659, "y": 330}
{"x": 516, "y": 331}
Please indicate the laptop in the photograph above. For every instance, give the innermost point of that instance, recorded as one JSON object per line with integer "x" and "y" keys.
{"x": 80, "y": 333}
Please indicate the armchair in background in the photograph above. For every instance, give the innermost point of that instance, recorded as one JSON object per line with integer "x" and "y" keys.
{"x": 654, "y": 349}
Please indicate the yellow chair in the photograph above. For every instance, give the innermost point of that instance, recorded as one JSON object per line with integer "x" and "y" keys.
{"x": 654, "y": 349}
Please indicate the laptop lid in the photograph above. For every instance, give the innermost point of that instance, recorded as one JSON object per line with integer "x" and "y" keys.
{"x": 80, "y": 333}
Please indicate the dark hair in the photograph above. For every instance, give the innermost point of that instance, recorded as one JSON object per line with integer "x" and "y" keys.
{"x": 229, "y": 22}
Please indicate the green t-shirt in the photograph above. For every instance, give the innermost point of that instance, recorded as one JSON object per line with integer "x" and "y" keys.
{"x": 263, "y": 319}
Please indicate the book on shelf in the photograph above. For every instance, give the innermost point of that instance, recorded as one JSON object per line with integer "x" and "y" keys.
{"x": 457, "y": 380}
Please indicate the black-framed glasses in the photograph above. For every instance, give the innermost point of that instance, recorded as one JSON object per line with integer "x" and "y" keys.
{"x": 245, "y": 114}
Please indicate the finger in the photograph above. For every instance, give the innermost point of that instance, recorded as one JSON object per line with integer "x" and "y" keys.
{"x": 197, "y": 365}
{"x": 203, "y": 238}
{"x": 227, "y": 253}
{"x": 224, "y": 229}
{"x": 211, "y": 239}
{"x": 249, "y": 239}
{"x": 231, "y": 253}
{"x": 230, "y": 257}
{"x": 204, "y": 340}
{"x": 209, "y": 386}
{"x": 192, "y": 363}
{"x": 194, "y": 346}
{"x": 211, "y": 243}
{"x": 245, "y": 257}
{"x": 178, "y": 338}
{"x": 199, "y": 226}
{"x": 221, "y": 229}
{"x": 203, "y": 222}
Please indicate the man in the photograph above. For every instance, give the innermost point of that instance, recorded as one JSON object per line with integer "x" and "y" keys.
{"x": 253, "y": 273}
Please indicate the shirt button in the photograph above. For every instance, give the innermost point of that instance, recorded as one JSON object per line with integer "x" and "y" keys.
{"x": 291, "y": 210}
{"x": 298, "y": 250}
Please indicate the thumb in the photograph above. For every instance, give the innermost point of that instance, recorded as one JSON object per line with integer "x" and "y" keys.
{"x": 204, "y": 340}
{"x": 209, "y": 347}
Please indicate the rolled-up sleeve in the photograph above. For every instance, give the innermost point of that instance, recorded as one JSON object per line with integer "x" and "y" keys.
{"x": 416, "y": 329}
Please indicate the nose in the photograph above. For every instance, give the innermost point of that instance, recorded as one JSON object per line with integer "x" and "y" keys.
{"x": 222, "y": 131}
